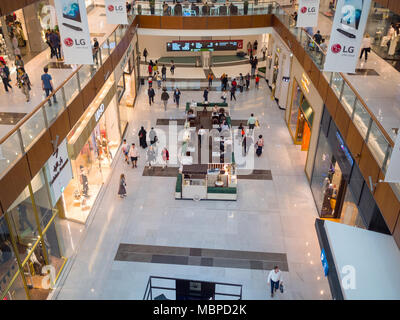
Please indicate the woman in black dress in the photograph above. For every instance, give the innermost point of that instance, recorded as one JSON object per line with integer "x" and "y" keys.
{"x": 122, "y": 185}
{"x": 142, "y": 138}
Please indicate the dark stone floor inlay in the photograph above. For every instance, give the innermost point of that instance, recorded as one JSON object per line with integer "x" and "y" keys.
{"x": 11, "y": 118}
{"x": 201, "y": 257}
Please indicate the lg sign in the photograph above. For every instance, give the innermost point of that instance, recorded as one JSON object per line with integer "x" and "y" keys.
{"x": 79, "y": 42}
{"x": 111, "y": 8}
{"x": 304, "y": 10}
{"x": 310, "y": 10}
{"x": 336, "y": 48}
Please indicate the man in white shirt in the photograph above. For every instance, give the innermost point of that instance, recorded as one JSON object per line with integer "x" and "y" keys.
{"x": 275, "y": 277}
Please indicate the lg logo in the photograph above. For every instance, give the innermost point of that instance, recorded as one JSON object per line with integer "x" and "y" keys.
{"x": 111, "y": 8}
{"x": 336, "y": 48}
{"x": 78, "y": 42}
{"x": 304, "y": 10}
{"x": 310, "y": 10}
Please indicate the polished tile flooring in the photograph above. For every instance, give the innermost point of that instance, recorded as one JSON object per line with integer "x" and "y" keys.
{"x": 273, "y": 216}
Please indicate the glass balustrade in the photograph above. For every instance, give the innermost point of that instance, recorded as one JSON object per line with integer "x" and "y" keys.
{"x": 348, "y": 99}
{"x": 377, "y": 143}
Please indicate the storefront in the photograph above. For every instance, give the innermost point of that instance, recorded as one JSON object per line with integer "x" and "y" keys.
{"x": 339, "y": 190}
{"x": 301, "y": 116}
{"x": 92, "y": 145}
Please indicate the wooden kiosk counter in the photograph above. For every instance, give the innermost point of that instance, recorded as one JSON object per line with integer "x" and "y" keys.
{"x": 213, "y": 181}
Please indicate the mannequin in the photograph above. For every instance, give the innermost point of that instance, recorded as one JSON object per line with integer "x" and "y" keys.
{"x": 84, "y": 181}
{"x": 394, "y": 39}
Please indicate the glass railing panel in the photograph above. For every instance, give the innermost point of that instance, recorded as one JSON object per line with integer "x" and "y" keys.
{"x": 56, "y": 107}
{"x": 386, "y": 164}
{"x": 327, "y": 75}
{"x": 10, "y": 151}
{"x": 111, "y": 42}
{"x": 86, "y": 72}
{"x": 337, "y": 83}
{"x": 118, "y": 34}
{"x": 104, "y": 51}
{"x": 377, "y": 143}
{"x": 71, "y": 89}
{"x": 361, "y": 119}
{"x": 348, "y": 99}
{"x": 32, "y": 128}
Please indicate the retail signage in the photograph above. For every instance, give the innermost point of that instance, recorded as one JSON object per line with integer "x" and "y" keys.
{"x": 59, "y": 171}
{"x": 305, "y": 82}
{"x": 393, "y": 170}
{"x": 346, "y": 35}
{"x": 74, "y": 31}
{"x": 324, "y": 262}
{"x": 205, "y": 45}
{"x": 99, "y": 112}
{"x": 307, "y": 15}
{"x": 116, "y": 12}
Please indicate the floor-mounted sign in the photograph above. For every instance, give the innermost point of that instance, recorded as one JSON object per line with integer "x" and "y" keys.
{"x": 116, "y": 12}
{"x": 393, "y": 170}
{"x": 346, "y": 36}
{"x": 58, "y": 171}
{"x": 74, "y": 31}
{"x": 307, "y": 15}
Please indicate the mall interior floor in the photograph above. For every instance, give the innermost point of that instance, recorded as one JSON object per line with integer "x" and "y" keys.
{"x": 268, "y": 217}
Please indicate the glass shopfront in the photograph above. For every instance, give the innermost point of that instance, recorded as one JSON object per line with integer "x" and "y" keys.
{"x": 301, "y": 117}
{"x": 337, "y": 184}
{"x": 92, "y": 145}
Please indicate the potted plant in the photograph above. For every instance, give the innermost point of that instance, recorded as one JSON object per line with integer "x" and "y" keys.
{"x": 245, "y": 7}
{"x": 152, "y": 6}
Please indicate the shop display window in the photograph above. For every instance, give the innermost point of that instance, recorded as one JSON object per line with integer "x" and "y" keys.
{"x": 16, "y": 291}
{"x": 8, "y": 261}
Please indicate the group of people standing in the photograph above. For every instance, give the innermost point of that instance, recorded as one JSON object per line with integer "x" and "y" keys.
{"x": 239, "y": 84}
{"x": 53, "y": 41}
{"x": 164, "y": 96}
{"x": 247, "y": 139}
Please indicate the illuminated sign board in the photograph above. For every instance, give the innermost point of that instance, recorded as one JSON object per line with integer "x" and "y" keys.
{"x": 205, "y": 45}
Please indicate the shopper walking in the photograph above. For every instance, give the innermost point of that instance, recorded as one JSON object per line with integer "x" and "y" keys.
{"x": 150, "y": 69}
{"x": 145, "y": 54}
{"x": 165, "y": 156}
{"x": 233, "y": 91}
{"x": 24, "y": 83}
{"x": 151, "y": 155}
{"x": 251, "y": 122}
{"x": 248, "y": 77}
{"x": 255, "y": 47}
{"x": 19, "y": 63}
{"x": 210, "y": 78}
{"x": 52, "y": 53}
{"x": 275, "y": 278}
{"x": 257, "y": 81}
{"x": 133, "y": 155}
{"x": 47, "y": 85}
{"x": 122, "y": 185}
{"x": 249, "y": 48}
{"x": 259, "y": 145}
{"x": 142, "y": 138}
{"x": 205, "y": 95}
{"x": 177, "y": 96}
{"x": 164, "y": 98}
{"x": 164, "y": 73}
{"x": 365, "y": 46}
{"x": 241, "y": 130}
{"x": 172, "y": 69}
{"x": 96, "y": 48}
{"x": 152, "y": 135}
{"x": 5, "y": 76}
{"x": 151, "y": 93}
{"x": 155, "y": 67}
{"x": 264, "y": 51}
{"x": 55, "y": 42}
{"x": 125, "y": 149}
{"x": 241, "y": 82}
{"x": 158, "y": 78}
{"x": 224, "y": 96}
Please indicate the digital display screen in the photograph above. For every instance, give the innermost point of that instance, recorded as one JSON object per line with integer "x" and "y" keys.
{"x": 71, "y": 10}
{"x": 216, "y": 45}
{"x": 351, "y": 13}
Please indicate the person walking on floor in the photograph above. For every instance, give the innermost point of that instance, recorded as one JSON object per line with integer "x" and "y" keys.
{"x": 24, "y": 83}
{"x": 255, "y": 47}
{"x": 150, "y": 69}
{"x": 152, "y": 135}
{"x": 233, "y": 91}
{"x": 55, "y": 42}
{"x": 210, "y": 78}
{"x": 133, "y": 155}
{"x": 264, "y": 51}
{"x": 151, "y": 155}
{"x": 96, "y": 48}
{"x": 224, "y": 96}
{"x": 47, "y": 84}
{"x": 165, "y": 156}
{"x": 5, "y": 76}
{"x": 142, "y": 138}
{"x": 253, "y": 67}
{"x": 164, "y": 73}
{"x": 365, "y": 46}
{"x": 241, "y": 82}
{"x": 145, "y": 54}
{"x": 248, "y": 77}
{"x": 259, "y": 145}
{"x": 172, "y": 67}
{"x": 257, "y": 81}
{"x": 151, "y": 94}
{"x": 177, "y": 96}
{"x": 52, "y": 53}
{"x": 19, "y": 63}
{"x": 201, "y": 132}
{"x": 241, "y": 130}
{"x": 275, "y": 278}
{"x": 205, "y": 95}
{"x": 251, "y": 122}
{"x": 125, "y": 149}
{"x": 122, "y": 185}
{"x": 164, "y": 98}
{"x": 158, "y": 78}
{"x": 155, "y": 67}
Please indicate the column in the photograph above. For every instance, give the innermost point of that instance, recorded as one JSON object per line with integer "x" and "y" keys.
{"x": 34, "y": 28}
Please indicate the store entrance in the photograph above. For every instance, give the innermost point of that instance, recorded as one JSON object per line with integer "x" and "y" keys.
{"x": 303, "y": 132}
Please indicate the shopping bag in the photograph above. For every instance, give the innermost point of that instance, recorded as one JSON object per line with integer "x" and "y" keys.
{"x": 257, "y": 123}
{"x": 281, "y": 287}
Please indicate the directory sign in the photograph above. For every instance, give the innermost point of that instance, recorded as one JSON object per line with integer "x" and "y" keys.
{"x": 205, "y": 45}
{"x": 74, "y": 31}
{"x": 346, "y": 35}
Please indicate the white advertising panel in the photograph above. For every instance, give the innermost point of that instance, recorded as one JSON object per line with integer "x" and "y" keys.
{"x": 116, "y": 12}
{"x": 307, "y": 15}
{"x": 74, "y": 31}
{"x": 59, "y": 171}
{"x": 393, "y": 170}
{"x": 346, "y": 36}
